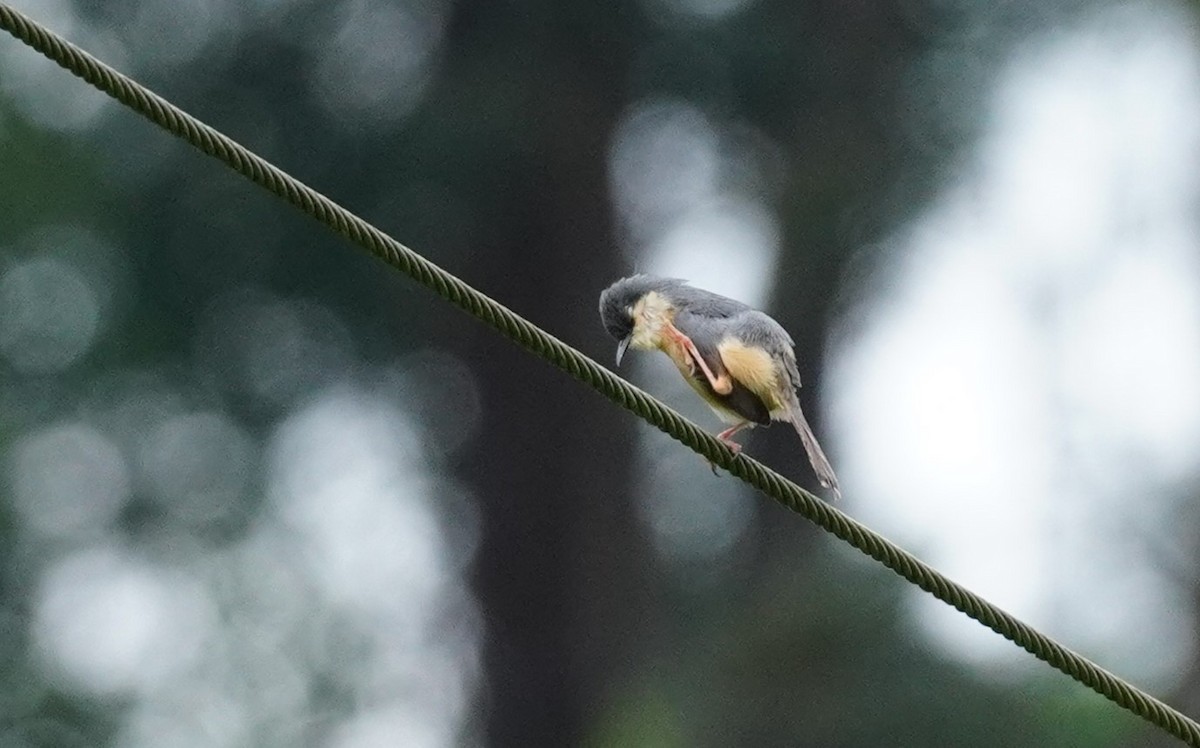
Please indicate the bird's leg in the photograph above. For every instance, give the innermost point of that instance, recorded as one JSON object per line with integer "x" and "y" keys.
{"x": 721, "y": 385}
{"x": 726, "y": 436}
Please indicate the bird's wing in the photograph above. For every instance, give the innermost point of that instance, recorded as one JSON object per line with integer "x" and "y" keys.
{"x": 702, "y": 319}
{"x": 747, "y": 344}
{"x": 758, "y": 351}
{"x": 724, "y": 388}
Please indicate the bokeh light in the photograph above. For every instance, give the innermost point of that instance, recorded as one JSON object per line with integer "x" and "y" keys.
{"x": 200, "y": 464}
{"x": 1033, "y": 362}
{"x": 33, "y": 82}
{"x": 69, "y": 479}
{"x": 375, "y": 68}
{"x": 272, "y": 349}
{"x": 49, "y": 315}
{"x": 115, "y": 625}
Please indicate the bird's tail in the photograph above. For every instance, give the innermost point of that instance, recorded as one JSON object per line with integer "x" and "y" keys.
{"x": 816, "y": 455}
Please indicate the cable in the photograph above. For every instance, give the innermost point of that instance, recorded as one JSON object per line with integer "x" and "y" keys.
{"x": 529, "y": 336}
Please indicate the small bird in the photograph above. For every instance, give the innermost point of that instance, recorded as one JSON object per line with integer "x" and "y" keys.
{"x": 738, "y": 359}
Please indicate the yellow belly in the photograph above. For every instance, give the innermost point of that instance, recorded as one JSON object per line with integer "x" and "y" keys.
{"x": 755, "y": 370}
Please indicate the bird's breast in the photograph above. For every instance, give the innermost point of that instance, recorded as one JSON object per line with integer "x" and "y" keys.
{"x": 651, "y": 315}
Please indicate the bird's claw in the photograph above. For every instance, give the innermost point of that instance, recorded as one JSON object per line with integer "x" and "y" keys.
{"x": 733, "y": 447}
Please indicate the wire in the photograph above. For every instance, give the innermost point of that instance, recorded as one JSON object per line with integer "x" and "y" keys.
{"x": 529, "y": 336}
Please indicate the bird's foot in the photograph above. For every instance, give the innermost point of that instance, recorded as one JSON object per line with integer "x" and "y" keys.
{"x": 726, "y": 438}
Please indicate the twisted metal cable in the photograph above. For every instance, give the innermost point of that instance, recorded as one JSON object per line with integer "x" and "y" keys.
{"x": 529, "y": 336}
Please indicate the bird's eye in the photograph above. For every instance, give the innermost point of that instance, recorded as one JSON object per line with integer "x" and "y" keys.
{"x": 629, "y": 311}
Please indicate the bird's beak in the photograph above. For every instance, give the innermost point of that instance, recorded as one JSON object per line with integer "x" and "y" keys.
{"x": 621, "y": 347}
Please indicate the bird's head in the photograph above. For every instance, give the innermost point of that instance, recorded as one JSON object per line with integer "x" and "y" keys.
{"x": 635, "y": 309}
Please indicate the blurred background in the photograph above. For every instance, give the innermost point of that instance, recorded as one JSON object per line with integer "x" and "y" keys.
{"x": 257, "y": 489}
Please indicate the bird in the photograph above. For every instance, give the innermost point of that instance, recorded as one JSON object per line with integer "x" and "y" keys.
{"x": 738, "y": 359}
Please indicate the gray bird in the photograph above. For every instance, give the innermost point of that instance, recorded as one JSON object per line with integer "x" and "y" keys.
{"x": 738, "y": 359}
